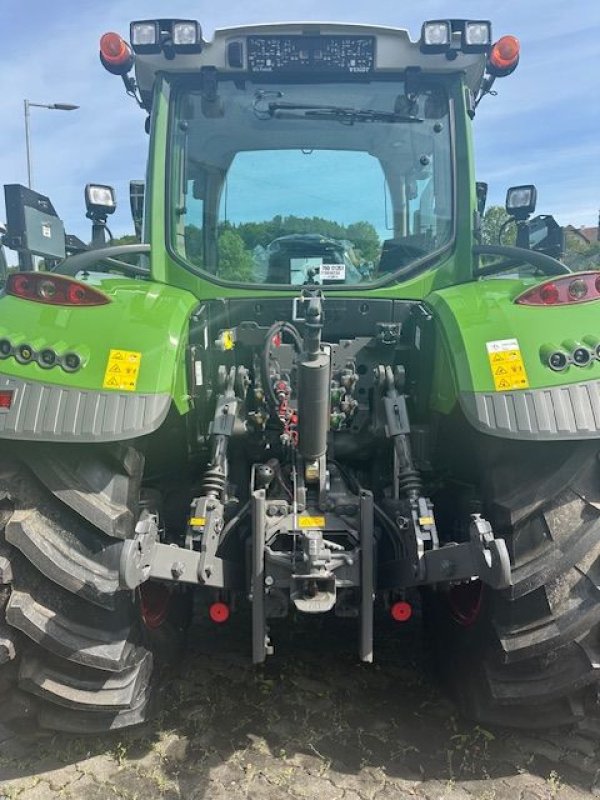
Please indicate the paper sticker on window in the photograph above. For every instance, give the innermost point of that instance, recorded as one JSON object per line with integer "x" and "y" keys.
{"x": 332, "y": 272}
{"x": 46, "y": 230}
{"x": 506, "y": 362}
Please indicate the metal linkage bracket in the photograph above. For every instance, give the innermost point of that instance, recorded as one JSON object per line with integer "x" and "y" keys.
{"x": 483, "y": 557}
{"x": 136, "y": 553}
{"x": 144, "y": 557}
{"x": 261, "y": 645}
{"x": 367, "y": 577}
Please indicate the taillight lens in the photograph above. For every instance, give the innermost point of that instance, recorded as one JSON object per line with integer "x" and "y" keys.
{"x": 578, "y": 288}
{"x": 54, "y": 290}
{"x": 6, "y": 398}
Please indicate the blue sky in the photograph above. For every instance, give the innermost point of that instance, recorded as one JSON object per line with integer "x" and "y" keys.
{"x": 542, "y": 128}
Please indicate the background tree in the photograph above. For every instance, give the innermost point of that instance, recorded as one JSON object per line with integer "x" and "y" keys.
{"x": 493, "y": 220}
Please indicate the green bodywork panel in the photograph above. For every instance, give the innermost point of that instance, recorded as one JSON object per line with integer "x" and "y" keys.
{"x": 470, "y": 315}
{"x": 145, "y": 317}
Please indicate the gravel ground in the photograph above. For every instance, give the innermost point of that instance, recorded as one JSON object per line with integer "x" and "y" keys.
{"x": 312, "y": 724}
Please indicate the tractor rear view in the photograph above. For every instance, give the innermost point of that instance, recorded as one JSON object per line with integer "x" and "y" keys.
{"x": 315, "y": 393}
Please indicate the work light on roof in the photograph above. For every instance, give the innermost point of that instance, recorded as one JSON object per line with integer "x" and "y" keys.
{"x": 436, "y": 35}
{"x": 100, "y": 199}
{"x": 477, "y": 36}
{"x": 144, "y": 34}
{"x": 170, "y": 36}
{"x": 521, "y": 200}
{"x": 186, "y": 34}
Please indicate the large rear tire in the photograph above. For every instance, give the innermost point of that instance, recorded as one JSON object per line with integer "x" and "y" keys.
{"x": 529, "y": 656}
{"x": 75, "y": 641}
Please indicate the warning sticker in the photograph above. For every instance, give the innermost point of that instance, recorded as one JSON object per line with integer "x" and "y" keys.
{"x": 228, "y": 340}
{"x": 332, "y": 272}
{"x": 197, "y": 522}
{"x": 506, "y": 362}
{"x": 311, "y": 522}
{"x": 122, "y": 370}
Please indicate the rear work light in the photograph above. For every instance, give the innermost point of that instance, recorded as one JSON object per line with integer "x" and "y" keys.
{"x": 168, "y": 36}
{"x": 53, "y": 289}
{"x": 436, "y": 35}
{"x": 581, "y": 287}
{"x": 115, "y": 54}
{"x": 477, "y": 36}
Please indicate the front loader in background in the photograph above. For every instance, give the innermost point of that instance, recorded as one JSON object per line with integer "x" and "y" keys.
{"x": 316, "y": 392}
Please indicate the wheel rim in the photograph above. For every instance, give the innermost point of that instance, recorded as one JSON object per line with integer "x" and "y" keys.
{"x": 466, "y": 601}
{"x": 155, "y": 599}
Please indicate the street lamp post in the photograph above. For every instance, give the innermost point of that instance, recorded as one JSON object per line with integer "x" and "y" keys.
{"x": 27, "y": 105}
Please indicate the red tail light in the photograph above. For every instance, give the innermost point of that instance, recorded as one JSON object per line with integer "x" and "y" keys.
{"x": 581, "y": 287}
{"x": 53, "y": 289}
{"x": 6, "y": 398}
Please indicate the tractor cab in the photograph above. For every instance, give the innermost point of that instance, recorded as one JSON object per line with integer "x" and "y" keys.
{"x": 350, "y": 133}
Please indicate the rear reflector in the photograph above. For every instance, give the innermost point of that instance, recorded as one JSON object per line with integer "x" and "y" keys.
{"x": 401, "y": 611}
{"x": 6, "y": 398}
{"x": 219, "y": 612}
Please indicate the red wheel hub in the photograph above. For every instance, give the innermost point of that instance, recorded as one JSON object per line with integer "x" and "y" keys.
{"x": 155, "y": 601}
{"x": 466, "y": 601}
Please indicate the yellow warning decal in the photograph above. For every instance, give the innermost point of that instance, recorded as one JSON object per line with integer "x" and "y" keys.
{"x": 198, "y": 522}
{"x": 122, "y": 370}
{"x": 425, "y": 520}
{"x": 311, "y": 522}
{"x": 506, "y": 362}
{"x": 228, "y": 340}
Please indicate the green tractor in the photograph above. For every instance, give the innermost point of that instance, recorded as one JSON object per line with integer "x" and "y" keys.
{"x": 398, "y": 410}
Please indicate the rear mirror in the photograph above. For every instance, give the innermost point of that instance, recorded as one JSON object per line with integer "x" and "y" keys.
{"x": 481, "y": 189}
{"x": 136, "y": 201}
{"x": 3, "y": 264}
{"x": 543, "y": 234}
{"x": 32, "y": 225}
{"x": 520, "y": 201}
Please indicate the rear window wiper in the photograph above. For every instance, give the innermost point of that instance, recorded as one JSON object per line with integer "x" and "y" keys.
{"x": 343, "y": 114}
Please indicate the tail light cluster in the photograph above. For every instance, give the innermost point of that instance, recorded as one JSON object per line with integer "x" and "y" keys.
{"x": 571, "y": 352}
{"x": 578, "y": 288}
{"x": 55, "y": 290}
{"x": 46, "y": 358}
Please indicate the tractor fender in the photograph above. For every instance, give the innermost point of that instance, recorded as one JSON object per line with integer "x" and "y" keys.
{"x": 132, "y": 365}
